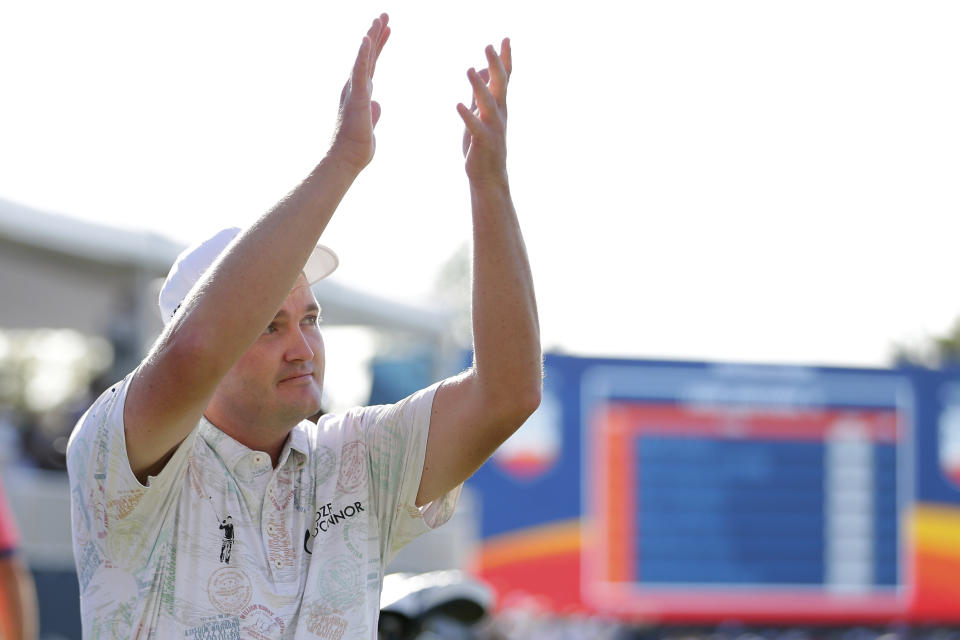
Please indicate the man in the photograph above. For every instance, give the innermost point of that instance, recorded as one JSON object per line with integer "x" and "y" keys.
{"x": 203, "y": 448}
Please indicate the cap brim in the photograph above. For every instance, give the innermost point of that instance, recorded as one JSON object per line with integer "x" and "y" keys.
{"x": 321, "y": 263}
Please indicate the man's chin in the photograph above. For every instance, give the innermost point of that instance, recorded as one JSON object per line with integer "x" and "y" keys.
{"x": 307, "y": 408}
{"x": 301, "y": 401}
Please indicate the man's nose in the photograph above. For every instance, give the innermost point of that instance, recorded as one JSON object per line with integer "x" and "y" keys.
{"x": 299, "y": 347}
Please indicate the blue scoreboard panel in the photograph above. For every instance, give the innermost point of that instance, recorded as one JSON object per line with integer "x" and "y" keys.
{"x": 713, "y": 490}
{"x": 759, "y": 511}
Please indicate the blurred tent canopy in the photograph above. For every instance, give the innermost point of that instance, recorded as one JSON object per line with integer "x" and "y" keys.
{"x": 67, "y": 273}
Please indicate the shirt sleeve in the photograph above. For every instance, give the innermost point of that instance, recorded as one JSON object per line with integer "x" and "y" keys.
{"x": 111, "y": 509}
{"x": 396, "y": 439}
{"x": 9, "y": 535}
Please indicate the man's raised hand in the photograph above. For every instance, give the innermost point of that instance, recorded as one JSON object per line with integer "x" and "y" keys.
{"x": 485, "y": 138}
{"x": 354, "y": 142}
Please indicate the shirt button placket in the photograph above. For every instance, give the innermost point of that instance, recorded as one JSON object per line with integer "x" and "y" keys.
{"x": 267, "y": 525}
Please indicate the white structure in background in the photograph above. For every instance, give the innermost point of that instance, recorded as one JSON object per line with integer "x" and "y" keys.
{"x": 59, "y": 272}
{"x": 63, "y": 272}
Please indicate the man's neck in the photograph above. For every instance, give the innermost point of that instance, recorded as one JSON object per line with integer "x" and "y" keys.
{"x": 268, "y": 440}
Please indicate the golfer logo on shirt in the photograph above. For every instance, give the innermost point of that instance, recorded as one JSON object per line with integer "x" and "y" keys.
{"x": 227, "y": 547}
{"x": 226, "y": 525}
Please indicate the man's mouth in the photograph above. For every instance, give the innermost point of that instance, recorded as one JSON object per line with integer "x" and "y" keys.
{"x": 297, "y": 376}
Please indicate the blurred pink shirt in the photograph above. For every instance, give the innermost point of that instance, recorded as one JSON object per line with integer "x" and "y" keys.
{"x": 9, "y": 535}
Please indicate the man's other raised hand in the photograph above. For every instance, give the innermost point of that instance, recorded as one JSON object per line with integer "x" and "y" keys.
{"x": 485, "y": 138}
{"x": 354, "y": 143}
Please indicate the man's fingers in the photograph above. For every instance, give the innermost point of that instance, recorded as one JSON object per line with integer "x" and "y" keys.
{"x": 506, "y": 55}
{"x": 375, "y": 52}
{"x": 498, "y": 75}
{"x": 374, "y": 31}
{"x": 363, "y": 67}
{"x": 383, "y": 40}
{"x": 360, "y": 67}
{"x": 378, "y": 34}
{"x": 485, "y": 100}
{"x": 472, "y": 122}
{"x": 384, "y": 34}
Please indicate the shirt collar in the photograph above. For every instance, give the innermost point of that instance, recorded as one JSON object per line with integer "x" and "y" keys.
{"x": 298, "y": 442}
{"x": 233, "y": 452}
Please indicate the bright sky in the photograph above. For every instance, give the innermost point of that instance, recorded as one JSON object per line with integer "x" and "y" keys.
{"x": 760, "y": 181}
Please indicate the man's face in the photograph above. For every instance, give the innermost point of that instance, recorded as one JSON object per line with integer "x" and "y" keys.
{"x": 279, "y": 380}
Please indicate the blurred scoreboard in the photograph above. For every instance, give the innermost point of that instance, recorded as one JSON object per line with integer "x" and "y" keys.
{"x": 738, "y": 491}
{"x": 698, "y": 493}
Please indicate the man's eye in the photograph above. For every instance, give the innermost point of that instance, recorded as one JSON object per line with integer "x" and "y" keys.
{"x": 312, "y": 320}
{"x": 271, "y": 328}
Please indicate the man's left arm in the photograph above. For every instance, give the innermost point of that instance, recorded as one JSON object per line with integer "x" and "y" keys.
{"x": 473, "y": 413}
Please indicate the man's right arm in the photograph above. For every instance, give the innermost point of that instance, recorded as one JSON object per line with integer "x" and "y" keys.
{"x": 239, "y": 295}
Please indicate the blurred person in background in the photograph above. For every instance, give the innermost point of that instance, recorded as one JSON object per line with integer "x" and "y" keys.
{"x": 204, "y": 505}
{"x": 18, "y": 596}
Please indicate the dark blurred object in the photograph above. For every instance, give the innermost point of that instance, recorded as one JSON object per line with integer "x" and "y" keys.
{"x": 46, "y": 451}
{"x": 46, "y": 435}
{"x": 438, "y": 604}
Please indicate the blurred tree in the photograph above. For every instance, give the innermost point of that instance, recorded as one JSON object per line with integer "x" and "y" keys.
{"x": 933, "y": 352}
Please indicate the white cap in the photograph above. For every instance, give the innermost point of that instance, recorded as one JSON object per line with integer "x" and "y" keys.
{"x": 194, "y": 261}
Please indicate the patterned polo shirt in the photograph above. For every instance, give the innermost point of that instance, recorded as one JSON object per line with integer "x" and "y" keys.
{"x": 221, "y": 544}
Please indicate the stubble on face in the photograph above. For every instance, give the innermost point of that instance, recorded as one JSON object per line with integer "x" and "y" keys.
{"x": 279, "y": 380}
